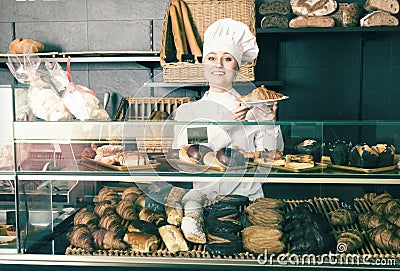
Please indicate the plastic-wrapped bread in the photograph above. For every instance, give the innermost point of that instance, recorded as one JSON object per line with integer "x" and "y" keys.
{"x": 83, "y": 104}
{"x": 193, "y": 231}
{"x": 25, "y": 46}
{"x": 46, "y": 104}
{"x": 173, "y": 238}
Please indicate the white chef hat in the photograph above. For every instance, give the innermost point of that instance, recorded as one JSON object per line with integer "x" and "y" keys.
{"x": 233, "y": 37}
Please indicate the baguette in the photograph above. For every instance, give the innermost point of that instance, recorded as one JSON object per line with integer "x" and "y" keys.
{"x": 194, "y": 46}
{"x": 379, "y": 18}
{"x": 181, "y": 26}
{"x": 391, "y": 6}
{"x": 176, "y": 32}
{"x": 312, "y": 21}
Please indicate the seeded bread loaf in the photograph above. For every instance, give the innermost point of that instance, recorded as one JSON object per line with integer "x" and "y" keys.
{"x": 347, "y": 14}
{"x": 391, "y": 6}
{"x": 379, "y": 18}
{"x": 274, "y": 7}
{"x": 312, "y": 21}
{"x": 274, "y": 20}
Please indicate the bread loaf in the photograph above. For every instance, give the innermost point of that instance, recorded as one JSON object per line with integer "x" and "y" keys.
{"x": 347, "y": 14}
{"x": 176, "y": 31}
{"x": 277, "y": 7}
{"x": 312, "y": 21}
{"x": 391, "y": 6}
{"x": 25, "y": 46}
{"x": 191, "y": 37}
{"x": 379, "y": 18}
{"x": 274, "y": 20}
{"x": 313, "y": 8}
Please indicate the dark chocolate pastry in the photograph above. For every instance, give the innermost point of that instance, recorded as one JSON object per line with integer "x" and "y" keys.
{"x": 231, "y": 157}
{"x": 339, "y": 153}
{"x": 223, "y": 213}
{"x": 143, "y": 226}
{"x": 386, "y": 154}
{"x": 363, "y": 156}
{"x": 224, "y": 244}
{"x": 217, "y": 226}
{"x": 310, "y": 146}
{"x": 233, "y": 200}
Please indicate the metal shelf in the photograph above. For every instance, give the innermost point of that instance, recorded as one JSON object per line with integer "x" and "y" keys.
{"x": 95, "y": 56}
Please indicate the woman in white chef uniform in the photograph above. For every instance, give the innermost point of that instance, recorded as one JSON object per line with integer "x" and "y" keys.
{"x": 227, "y": 45}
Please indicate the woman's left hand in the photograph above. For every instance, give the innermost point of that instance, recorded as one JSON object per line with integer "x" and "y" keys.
{"x": 266, "y": 112}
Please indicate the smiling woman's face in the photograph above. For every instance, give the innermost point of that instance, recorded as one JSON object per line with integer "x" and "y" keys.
{"x": 220, "y": 69}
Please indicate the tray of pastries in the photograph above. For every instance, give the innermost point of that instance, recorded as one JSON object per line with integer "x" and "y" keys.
{"x": 200, "y": 158}
{"x": 115, "y": 157}
{"x": 361, "y": 158}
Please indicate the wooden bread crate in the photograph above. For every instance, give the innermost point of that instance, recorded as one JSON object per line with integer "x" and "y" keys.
{"x": 203, "y": 13}
{"x": 140, "y": 109}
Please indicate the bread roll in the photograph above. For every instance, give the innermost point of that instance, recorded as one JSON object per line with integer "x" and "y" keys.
{"x": 173, "y": 238}
{"x": 25, "y": 46}
{"x": 312, "y": 21}
{"x": 379, "y": 18}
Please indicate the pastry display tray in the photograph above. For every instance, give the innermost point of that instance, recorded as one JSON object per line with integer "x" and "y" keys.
{"x": 121, "y": 168}
{"x": 316, "y": 167}
{"x": 322, "y": 205}
{"x": 197, "y": 168}
{"x": 327, "y": 161}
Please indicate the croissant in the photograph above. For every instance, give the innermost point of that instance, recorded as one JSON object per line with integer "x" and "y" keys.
{"x": 98, "y": 237}
{"x": 260, "y": 93}
{"x": 131, "y": 193}
{"x": 107, "y": 193}
{"x": 113, "y": 223}
{"x": 87, "y": 218}
{"x": 352, "y": 238}
{"x": 155, "y": 217}
{"x": 104, "y": 208}
{"x": 385, "y": 239}
{"x": 342, "y": 217}
{"x": 81, "y": 237}
{"x": 382, "y": 198}
{"x": 128, "y": 210}
{"x": 388, "y": 207}
{"x": 395, "y": 219}
{"x": 371, "y": 220}
{"x": 112, "y": 241}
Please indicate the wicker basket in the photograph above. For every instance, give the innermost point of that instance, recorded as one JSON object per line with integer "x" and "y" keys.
{"x": 203, "y": 13}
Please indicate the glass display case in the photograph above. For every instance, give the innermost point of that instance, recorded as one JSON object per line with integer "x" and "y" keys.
{"x": 57, "y": 175}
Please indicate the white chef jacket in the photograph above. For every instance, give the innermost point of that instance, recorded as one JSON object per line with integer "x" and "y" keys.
{"x": 248, "y": 137}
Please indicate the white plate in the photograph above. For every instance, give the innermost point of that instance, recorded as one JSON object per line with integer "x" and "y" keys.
{"x": 266, "y": 101}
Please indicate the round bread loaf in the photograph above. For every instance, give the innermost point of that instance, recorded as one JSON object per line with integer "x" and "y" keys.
{"x": 230, "y": 157}
{"x": 25, "y": 46}
{"x": 193, "y": 153}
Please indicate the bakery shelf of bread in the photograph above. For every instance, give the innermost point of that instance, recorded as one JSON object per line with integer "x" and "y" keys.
{"x": 354, "y": 29}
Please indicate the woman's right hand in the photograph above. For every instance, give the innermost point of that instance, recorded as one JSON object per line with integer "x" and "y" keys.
{"x": 238, "y": 113}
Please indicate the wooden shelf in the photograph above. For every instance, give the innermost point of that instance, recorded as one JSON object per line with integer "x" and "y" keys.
{"x": 356, "y": 29}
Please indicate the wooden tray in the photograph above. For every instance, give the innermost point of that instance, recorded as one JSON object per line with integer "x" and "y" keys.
{"x": 362, "y": 170}
{"x": 193, "y": 168}
{"x": 123, "y": 168}
{"x": 316, "y": 167}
